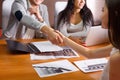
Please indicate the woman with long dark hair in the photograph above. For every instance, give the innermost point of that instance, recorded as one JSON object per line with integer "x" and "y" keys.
{"x": 111, "y": 21}
{"x": 75, "y": 20}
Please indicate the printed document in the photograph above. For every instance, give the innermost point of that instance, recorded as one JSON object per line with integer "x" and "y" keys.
{"x": 54, "y": 68}
{"x": 91, "y": 65}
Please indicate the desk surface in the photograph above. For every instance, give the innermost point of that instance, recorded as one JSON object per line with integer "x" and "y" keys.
{"x": 18, "y": 66}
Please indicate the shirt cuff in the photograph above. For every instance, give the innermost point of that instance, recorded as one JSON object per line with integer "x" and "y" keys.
{"x": 42, "y": 25}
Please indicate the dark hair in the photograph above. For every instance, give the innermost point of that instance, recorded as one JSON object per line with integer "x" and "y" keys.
{"x": 114, "y": 22}
{"x": 85, "y": 13}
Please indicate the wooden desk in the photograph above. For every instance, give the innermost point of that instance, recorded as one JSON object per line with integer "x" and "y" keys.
{"x": 18, "y": 66}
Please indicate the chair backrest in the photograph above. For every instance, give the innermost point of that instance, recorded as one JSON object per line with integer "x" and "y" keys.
{"x": 96, "y": 7}
{"x": 59, "y": 6}
{"x": 6, "y": 9}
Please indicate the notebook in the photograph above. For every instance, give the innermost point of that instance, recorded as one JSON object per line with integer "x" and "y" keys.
{"x": 96, "y": 35}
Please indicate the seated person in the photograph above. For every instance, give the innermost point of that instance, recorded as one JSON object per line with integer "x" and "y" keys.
{"x": 18, "y": 26}
{"x": 75, "y": 20}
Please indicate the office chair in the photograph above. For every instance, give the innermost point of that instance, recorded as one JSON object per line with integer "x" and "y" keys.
{"x": 96, "y": 7}
{"x": 59, "y": 6}
{"x": 6, "y": 9}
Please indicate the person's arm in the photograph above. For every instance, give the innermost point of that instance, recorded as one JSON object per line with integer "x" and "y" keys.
{"x": 35, "y": 11}
{"x": 54, "y": 37}
{"x": 30, "y": 22}
{"x": 20, "y": 12}
{"x": 114, "y": 70}
{"x": 41, "y": 13}
{"x": 89, "y": 53}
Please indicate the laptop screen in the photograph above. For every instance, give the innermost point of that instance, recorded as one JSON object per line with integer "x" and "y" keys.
{"x": 96, "y": 35}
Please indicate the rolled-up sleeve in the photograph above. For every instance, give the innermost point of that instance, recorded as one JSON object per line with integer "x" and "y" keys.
{"x": 32, "y": 23}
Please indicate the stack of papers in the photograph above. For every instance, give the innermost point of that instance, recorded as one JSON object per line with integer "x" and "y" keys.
{"x": 91, "y": 65}
{"x": 54, "y": 68}
{"x": 51, "y": 51}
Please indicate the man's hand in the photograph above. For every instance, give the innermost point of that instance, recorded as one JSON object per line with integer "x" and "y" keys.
{"x": 55, "y": 38}
{"x": 36, "y": 12}
{"x": 52, "y": 35}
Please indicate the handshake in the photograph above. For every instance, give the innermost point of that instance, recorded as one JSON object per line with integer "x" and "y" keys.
{"x": 54, "y": 36}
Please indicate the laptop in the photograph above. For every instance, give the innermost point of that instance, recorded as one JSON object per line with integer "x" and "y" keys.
{"x": 96, "y": 35}
{"x": 19, "y": 46}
